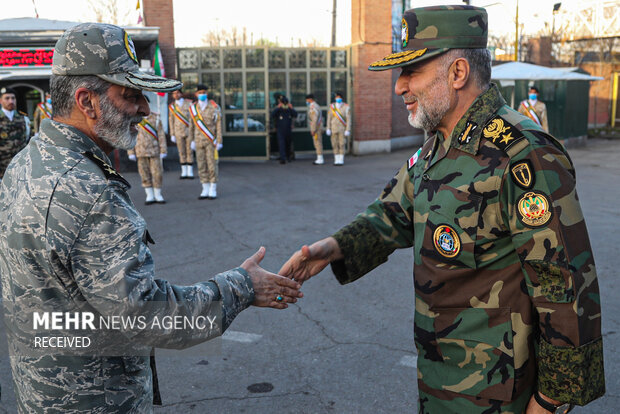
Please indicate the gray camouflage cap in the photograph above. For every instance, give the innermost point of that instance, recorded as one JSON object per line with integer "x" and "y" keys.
{"x": 107, "y": 51}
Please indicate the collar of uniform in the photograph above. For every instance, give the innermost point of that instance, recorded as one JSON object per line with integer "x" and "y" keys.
{"x": 64, "y": 135}
{"x": 466, "y": 133}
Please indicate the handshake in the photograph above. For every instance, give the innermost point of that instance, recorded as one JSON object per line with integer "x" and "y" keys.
{"x": 278, "y": 290}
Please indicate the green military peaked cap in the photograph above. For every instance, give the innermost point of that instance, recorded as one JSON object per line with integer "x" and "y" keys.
{"x": 430, "y": 31}
{"x": 106, "y": 51}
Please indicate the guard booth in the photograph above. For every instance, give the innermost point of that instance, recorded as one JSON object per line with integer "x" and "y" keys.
{"x": 244, "y": 80}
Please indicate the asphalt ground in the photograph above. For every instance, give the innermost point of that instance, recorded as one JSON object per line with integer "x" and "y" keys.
{"x": 341, "y": 349}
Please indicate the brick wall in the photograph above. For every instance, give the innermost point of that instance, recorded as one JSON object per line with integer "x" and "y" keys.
{"x": 371, "y": 36}
{"x": 159, "y": 13}
{"x": 599, "y": 111}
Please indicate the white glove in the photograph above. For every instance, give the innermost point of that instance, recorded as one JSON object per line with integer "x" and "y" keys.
{"x": 328, "y": 132}
{"x": 347, "y": 133}
{"x": 162, "y": 156}
{"x": 173, "y": 139}
{"x": 219, "y": 146}
{"x": 193, "y": 146}
{"x": 132, "y": 157}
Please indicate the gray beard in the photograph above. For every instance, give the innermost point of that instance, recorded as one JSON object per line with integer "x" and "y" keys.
{"x": 114, "y": 127}
{"x": 431, "y": 111}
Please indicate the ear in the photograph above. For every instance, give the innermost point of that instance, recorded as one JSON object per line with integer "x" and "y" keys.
{"x": 84, "y": 102}
{"x": 459, "y": 73}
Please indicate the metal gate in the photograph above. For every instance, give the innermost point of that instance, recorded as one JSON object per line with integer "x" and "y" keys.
{"x": 244, "y": 80}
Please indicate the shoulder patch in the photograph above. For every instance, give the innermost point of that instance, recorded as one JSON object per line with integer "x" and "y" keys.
{"x": 523, "y": 174}
{"x": 501, "y": 133}
{"x": 534, "y": 209}
{"x": 109, "y": 171}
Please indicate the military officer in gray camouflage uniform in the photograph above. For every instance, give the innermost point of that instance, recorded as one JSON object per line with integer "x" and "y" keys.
{"x": 13, "y": 128}
{"x": 507, "y": 306}
{"x": 71, "y": 240}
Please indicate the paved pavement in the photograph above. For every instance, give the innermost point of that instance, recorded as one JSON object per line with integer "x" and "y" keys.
{"x": 342, "y": 349}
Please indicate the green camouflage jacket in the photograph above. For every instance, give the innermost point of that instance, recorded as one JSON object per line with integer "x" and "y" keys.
{"x": 506, "y": 294}
{"x": 13, "y": 137}
{"x": 71, "y": 240}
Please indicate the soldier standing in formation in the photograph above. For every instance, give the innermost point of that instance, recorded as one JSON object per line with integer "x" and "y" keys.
{"x": 72, "y": 242}
{"x": 205, "y": 132}
{"x": 14, "y": 128}
{"x": 178, "y": 125}
{"x": 535, "y": 109}
{"x": 149, "y": 152}
{"x": 315, "y": 123}
{"x": 43, "y": 111}
{"x": 338, "y": 127}
{"x": 503, "y": 267}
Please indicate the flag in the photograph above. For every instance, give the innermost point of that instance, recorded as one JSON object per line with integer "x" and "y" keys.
{"x": 158, "y": 64}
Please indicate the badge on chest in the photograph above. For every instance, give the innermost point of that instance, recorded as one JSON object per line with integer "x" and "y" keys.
{"x": 446, "y": 241}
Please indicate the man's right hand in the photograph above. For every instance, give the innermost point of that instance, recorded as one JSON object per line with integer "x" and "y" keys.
{"x": 328, "y": 132}
{"x": 131, "y": 157}
{"x": 173, "y": 139}
{"x": 269, "y": 286}
{"x": 311, "y": 260}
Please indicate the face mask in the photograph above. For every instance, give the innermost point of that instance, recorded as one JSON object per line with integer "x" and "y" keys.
{"x": 49, "y": 100}
{"x": 202, "y": 97}
{"x": 307, "y": 103}
{"x": 533, "y": 96}
{"x": 338, "y": 100}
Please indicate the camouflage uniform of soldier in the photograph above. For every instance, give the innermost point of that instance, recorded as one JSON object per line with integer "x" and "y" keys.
{"x": 13, "y": 132}
{"x": 149, "y": 151}
{"x": 71, "y": 240}
{"x": 315, "y": 123}
{"x": 42, "y": 111}
{"x": 506, "y": 296}
{"x": 178, "y": 124}
{"x": 338, "y": 127}
{"x": 205, "y": 130}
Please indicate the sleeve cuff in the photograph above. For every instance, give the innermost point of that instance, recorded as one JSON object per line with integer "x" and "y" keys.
{"x": 363, "y": 250}
{"x": 571, "y": 375}
{"x": 236, "y": 293}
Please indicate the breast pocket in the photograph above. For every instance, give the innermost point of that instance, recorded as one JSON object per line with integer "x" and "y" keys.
{"x": 451, "y": 227}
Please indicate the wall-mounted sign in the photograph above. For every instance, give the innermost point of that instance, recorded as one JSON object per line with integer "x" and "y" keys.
{"x": 25, "y": 57}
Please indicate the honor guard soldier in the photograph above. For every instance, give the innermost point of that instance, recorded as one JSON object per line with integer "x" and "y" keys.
{"x": 14, "y": 128}
{"x": 338, "y": 127}
{"x": 149, "y": 152}
{"x": 205, "y": 132}
{"x": 43, "y": 111}
{"x": 315, "y": 123}
{"x": 507, "y": 305}
{"x": 178, "y": 124}
{"x": 535, "y": 109}
{"x": 72, "y": 243}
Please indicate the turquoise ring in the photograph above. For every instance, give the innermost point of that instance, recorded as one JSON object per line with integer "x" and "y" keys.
{"x": 279, "y": 298}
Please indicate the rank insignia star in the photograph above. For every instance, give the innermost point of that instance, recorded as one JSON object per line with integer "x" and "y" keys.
{"x": 506, "y": 138}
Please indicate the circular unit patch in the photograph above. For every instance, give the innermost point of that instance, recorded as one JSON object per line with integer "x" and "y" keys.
{"x": 534, "y": 209}
{"x": 446, "y": 241}
{"x": 130, "y": 48}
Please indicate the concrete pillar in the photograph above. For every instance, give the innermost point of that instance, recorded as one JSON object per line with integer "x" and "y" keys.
{"x": 371, "y": 38}
{"x": 160, "y": 13}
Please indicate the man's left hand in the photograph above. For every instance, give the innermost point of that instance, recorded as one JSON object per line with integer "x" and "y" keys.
{"x": 219, "y": 146}
{"x": 347, "y": 133}
{"x": 162, "y": 156}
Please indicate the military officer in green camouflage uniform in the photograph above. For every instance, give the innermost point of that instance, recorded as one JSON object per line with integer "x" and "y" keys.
{"x": 507, "y": 307}
{"x": 13, "y": 128}
{"x": 71, "y": 240}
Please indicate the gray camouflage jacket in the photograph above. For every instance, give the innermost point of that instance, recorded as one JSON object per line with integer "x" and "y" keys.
{"x": 71, "y": 240}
